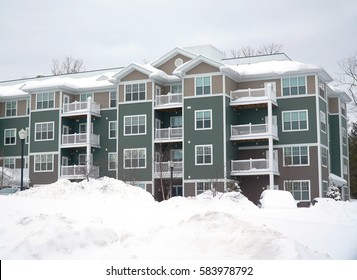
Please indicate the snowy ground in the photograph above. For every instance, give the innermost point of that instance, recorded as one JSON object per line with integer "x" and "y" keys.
{"x": 107, "y": 219}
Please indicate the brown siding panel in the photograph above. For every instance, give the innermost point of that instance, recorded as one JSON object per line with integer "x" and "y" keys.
{"x": 189, "y": 88}
{"x": 169, "y": 66}
{"x": 2, "y": 109}
{"x": 230, "y": 85}
{"x": 217, "y": 84}
{"x": 134, "y": 76}
{"x": 203, "y": 68}
{"x": 38, "y": 178}
{"x": 311, "y": 88}
{"x": 102, "y": 98}
{"x": 333, "y": 105}
{"x": 189, "y": 189}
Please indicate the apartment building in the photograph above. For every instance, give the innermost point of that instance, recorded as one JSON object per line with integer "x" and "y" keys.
{"x": 184, "y": 123}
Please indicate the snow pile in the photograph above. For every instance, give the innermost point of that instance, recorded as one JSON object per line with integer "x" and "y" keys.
{"x": 108, "y": 219}
{"x": 277, "y": 199}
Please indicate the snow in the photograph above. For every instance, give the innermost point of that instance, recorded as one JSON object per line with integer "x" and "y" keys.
{"x": 277, "y": 199}
{"x": 108, "y": 219}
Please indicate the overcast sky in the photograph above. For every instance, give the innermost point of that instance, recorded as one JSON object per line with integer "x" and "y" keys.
{"x": 111, "y": 33}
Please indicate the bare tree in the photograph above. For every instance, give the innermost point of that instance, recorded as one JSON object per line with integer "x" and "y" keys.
{"x": 67, "y": 65}
{"x": 265, "y": 49}
{"x": 349, "y": 68}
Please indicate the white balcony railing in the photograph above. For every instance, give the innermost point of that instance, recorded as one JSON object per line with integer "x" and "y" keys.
{"x": 169, "y": 99}
{"x": 168, "y": 133}
{"x": 253, "y": 95}
{"x": 79, "y": 171}
{"x": 246, "y": 131}
{"x": 80, "y": 108}
{"x": 163, "y": 170}
{"x": 80, "y": 139}
{"x": 252, "y": 166}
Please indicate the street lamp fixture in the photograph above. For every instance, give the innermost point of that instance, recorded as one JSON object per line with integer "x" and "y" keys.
{"x": 22, "y": 136}
{"x": 171, "y": 177}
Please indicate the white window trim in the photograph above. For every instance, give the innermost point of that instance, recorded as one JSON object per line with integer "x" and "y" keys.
{"x": 16, "y": 109}
{"x": 88, "y": 94}
{"x": 49, "y": 108}
{"x": 204, "y": 128}
{"x": 110, "y": 99}
{"x": 11, "y": 144}
{"x": 53, "y": 134}
{"x": 323, "y": 120}
{"x": 116, "y": 162}
{"x": 138, "y": 149}
{"x": 294, "y": 130}
{"x": 173, "y": 85}
{"x": 138, "y": 83}
{"x": 10, "y": 159}
{"x": 210, "y": 81}
{"x": 34, "y": 163}
{"x": 134, "y": 134}
{"x": 196, "y": 183}
{"x": 297, "y": 95}
{"x": 209, "y": 145}
{"x": 171, "y": 120}
{"x": 300, "y": 181}
{"x": 116, "y": 129}
{"x": 294, "y": 165}
{"x": 327, "y": 155}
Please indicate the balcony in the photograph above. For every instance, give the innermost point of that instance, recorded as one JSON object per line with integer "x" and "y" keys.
{"x": 80, "y": 108}
{"x": 162, "y": 169}
{"x": 253, "y": 132}
{"x": 253, "y": 167}
{"x": 250, "y": 96}
{"x": 168, "y": 134}
{"x": 76, "y": 172}
{"x": 171, "y": 100}
{"x": 80, "y": 139}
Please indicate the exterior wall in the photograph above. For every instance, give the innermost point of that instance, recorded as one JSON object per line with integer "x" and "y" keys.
{"x": 333, "y": 105}
{"x": 212, "y": 137}
{"x": 43, "y": 178}
{"x": 203, "y": 68}
{"x": 102, "y": 98}
{"x": 311, "y": 85}
{"x": 135, "y": 75}
{"x": 260, "y": 84}
{"x": 21, "y": 108}
{"x": 2, "y": 109}
{"x": 169, "y": 66}
{"x": 335, "y": 144}
{"x": 137, "y": 141}
{"x": 230, "y": 85}
{"x": 189, "y": 87}
{"x": 217, "y": 84}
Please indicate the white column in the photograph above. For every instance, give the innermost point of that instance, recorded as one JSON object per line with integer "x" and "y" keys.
{"x": 89, "y": 106}
{"x": 270, "y": 131}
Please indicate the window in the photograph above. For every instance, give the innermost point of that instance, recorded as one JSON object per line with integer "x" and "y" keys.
{"x": 299, "y": 189}
{"x": 324, "y": 188}
{"x": 10, "y": 136}
{"x": 45, "y": 100}
{"x": 298, "y": 155}
{"x": 112, "y": 161}
{"x": 27, "y": 106}
{"x": 9, "y": 162}
{"x": 44, "y": 131}
{"x": 324, "y": 156}
{"x": 344, "y": 136}
{"x": 176, "y": 155}
{"x": 11, "y": 108}
{"x": 295, "y": 120}
{"x": 201, "y": 187}
{"x": 134, "y": 92}
{"x": 84, "y": 97}
{"x": 294, "y": 86}
{"x": 203, "y": 119}
{"x": 343, "y": 109}
{"x": 323, "y": 121}
{"x": 204, "y": 155}
{"x": 203, "y": 85}
{"x": 322, "y": 89}
{"x": 43, "y": 162}
{"x": 176, "y": 88}
{"x": 176, "y": 122}
{"x": 135, "y": 125}
{"x": 112, "y": 129}
{"x": 113, "y": 99}
{"x": 27, "y": 135}
{"x": 134, "y": 158}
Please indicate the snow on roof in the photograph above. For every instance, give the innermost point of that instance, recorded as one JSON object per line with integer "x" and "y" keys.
{"x": 271, "y": 68}
{"x": 337, "y": 180}
{"x": 334, "y": 91}
{"x": 12, "y": 91}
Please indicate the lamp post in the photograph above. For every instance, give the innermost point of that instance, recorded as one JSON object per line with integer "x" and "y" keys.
{"x": 171, "y": 178}
{"x": 22, "y": 136}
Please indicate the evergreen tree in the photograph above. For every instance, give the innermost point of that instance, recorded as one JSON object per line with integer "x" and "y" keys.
{"x": 333, "y": 192}
{"x": 353, "y": 160}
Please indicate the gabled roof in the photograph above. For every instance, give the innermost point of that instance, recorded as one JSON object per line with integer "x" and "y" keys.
{"x": 166, "y": 57}
{"x": 130, "y": 68}
{"x": 184, "y": 68}
{"x": 12, "y": 91}
{"x": 333, "y": 91}
{"x": 270, "y": 69}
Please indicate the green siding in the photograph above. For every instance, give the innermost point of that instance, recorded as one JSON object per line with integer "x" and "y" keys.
{"x": 231, "y": 146}
{"x": 135, "y": 141}
{"x": 300, "y": 103}
{"x": 335, "y": 151}
{"x": 18, "y": 123}
{"x": 212, "y": 136}
{"x": 44, "y": 146}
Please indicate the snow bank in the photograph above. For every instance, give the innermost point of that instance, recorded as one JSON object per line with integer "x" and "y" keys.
{"x": 108, "y": 219}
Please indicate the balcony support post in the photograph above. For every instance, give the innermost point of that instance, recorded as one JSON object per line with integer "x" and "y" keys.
{"x": 270, "y": 132}
{"x": 88, "y": 131}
